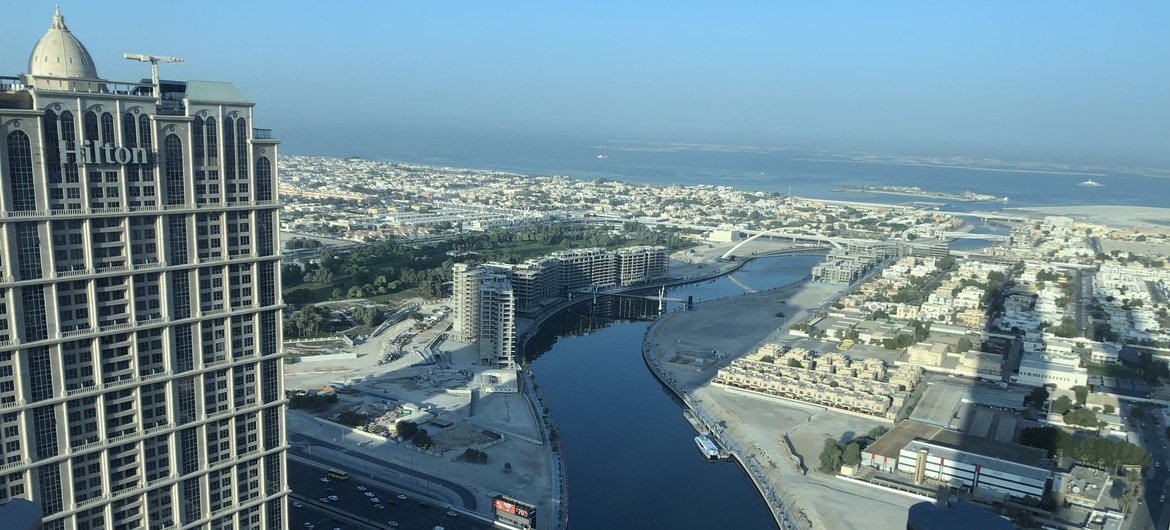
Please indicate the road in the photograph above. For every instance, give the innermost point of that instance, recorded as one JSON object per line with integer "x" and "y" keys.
{"x": 409, "y": 513}
{"x": 1084, "y": 300}
{"x": 465, "y": 496}
{"x": 1154, "y": 440}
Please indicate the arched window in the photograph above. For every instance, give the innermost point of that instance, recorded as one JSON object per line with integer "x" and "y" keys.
{"x": 20, "y": 172}
{"x": 144, "y": 132}
{"x": 197, "y": 141}
{"x": 91, "y": 127}
{"x": 173, "y": 158}
{"x": 212, "y": 142}
{"x": 263, "y": 179}
{"x": 129, "y": 131}
{"x": 229, "y": 148}
{"x": 52, "y": 148}
{"x": 107, "y": 128}
{"x": 242, "y": 148}
{"x": 69, "y": 136}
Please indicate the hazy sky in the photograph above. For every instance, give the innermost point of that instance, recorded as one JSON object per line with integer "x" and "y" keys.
{"x": 1039, "y": 80}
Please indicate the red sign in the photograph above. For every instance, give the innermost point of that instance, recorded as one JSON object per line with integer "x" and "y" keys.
{"x": 508, "y": 507}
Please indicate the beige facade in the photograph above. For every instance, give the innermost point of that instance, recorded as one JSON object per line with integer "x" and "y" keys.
{"x": 140, "y": 310}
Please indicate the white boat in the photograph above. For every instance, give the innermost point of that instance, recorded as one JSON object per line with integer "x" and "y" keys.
{"x": 707, "y": 447}
{"x": 603, "y": 157}
{"x": 1090, "y": 184}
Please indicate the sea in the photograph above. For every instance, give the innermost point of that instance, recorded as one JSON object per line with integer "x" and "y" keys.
{"x": 803, "y": 172}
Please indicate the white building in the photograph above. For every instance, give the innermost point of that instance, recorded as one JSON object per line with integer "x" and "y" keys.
{"x": 140, "y": 325}
{"x": 1062, "y": 371}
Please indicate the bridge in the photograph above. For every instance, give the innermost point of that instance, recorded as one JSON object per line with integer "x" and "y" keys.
{"x": 970, "y": 235}
{"x": 785, "y": 235}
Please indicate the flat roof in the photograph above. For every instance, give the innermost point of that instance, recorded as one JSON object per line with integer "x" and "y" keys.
{"x": 908, "y": 431}
{"x": 938, "y": 404}
{"x": 215, "y": 92}
{"x": 892, "y": 442}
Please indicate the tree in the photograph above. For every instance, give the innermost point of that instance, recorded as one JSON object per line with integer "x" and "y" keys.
{"x": 475, "y": 456}
{"x": 406, "y": 429}
{"x": 422, "y": 438}
{"x": 964, "y": 344}
{"x": 1061, "y": 405}
{"x": 507, "y": 467}
{"x": 831, "y": 457}
{"x": 1082, "y": 393}
{"x": 1108, "y": 409}
{"x": 851, "y": 456}
{"x": 793, "y": 363}
{"x": 1037, "y": 397}
{"x": 1083, "y": 418}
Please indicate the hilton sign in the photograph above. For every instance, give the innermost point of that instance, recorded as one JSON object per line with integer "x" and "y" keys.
{"x": 90, "y": 153}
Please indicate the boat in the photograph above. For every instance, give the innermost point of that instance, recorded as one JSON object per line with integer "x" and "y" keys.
{"x": 707, "y": 447}
{"x": 1090, "y": 184}
{"x": 603, "y": 157}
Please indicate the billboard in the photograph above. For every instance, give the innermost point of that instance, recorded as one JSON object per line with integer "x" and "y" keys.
{"x": 515, "y": 512}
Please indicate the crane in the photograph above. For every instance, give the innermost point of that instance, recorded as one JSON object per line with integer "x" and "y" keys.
{"x": 153, "y": 60}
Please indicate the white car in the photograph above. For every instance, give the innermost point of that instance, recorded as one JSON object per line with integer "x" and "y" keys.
{"x": 375, "y": 500}
{"x": 392, "y": 523}
{"x": 333, "y": 498}
{"x": 452, "y": 513}
{"x": 402, "y": 497}
{"x": 309, "y": 525}
{"x": 369, "y": 494}
{"x": 380, "y": 506}
{"x": 324, "y": 479}
{"x": 297, "y": 504}
{"x": 362, "y": 488}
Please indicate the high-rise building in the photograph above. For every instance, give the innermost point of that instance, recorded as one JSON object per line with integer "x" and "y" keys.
{"x": 140, "y": 327}
{"x": 497, "y": 321}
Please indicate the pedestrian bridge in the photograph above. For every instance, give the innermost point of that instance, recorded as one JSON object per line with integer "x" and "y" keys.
{"x": 819, "y": 238}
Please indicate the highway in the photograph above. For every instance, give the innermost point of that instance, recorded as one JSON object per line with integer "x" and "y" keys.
{"x": 466, "y": 496}
{"x": 355, "y": 509}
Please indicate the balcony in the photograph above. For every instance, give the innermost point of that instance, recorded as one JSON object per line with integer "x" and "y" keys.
{"x": 261, "y": 134}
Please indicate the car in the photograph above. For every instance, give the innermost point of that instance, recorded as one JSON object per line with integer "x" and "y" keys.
{"x": 380, "y": 506}
{"x": 375, "y": 500}
{"x": 452, "y": 513}
{"x": 324, "y": 479}
{"x": 333, "y": 498}
{"x": 362, "y": 488}
{"x": 1162, "y": 500}
{"x": 309, "y": 525}
{"x": 369, "y": 494}
{"x": 298, "y": 504}
{"x": 401, "y": 497}
{"x": 324, "y": 500}
{"x": 392, "y": 523}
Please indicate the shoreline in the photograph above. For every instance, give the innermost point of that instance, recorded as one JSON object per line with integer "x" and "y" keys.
{"x": 782, "y": 510}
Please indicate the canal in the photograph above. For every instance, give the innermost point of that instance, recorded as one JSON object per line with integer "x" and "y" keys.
{"x": 632, "y": 460}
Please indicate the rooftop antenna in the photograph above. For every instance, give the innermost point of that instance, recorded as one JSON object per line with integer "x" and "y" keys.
{"x": 153, "y": 60}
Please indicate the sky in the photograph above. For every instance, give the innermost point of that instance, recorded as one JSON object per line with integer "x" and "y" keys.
{"x": 1078, "y": 81}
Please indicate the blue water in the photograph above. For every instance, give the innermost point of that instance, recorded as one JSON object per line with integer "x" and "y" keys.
{"x": 774, "y": 170}
{"x": 632, "y": 460}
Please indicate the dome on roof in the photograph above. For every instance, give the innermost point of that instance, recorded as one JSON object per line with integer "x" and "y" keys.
{"x": 60, "y": 54}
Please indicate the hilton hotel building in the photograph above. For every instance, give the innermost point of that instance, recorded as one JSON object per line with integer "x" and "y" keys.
{"x": 140, "y": 327}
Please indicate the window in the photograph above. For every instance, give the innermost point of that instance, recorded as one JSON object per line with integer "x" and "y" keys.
{"x": 263, "y": 179}
{"x": 175, "y": 178}
{"x": 197, "y": 141}
{"x": 144, "y": 130}
{"x": 20, "y": 172}
{"x": 229, "y": 148}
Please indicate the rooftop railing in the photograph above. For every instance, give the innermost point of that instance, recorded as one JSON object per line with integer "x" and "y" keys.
{"x": 261, "y": 134}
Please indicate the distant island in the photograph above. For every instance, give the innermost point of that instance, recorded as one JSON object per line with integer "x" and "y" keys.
{"x": 966, "y": 196}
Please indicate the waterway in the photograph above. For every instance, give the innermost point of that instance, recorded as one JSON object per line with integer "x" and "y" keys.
{"x": 632, "y": 460}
